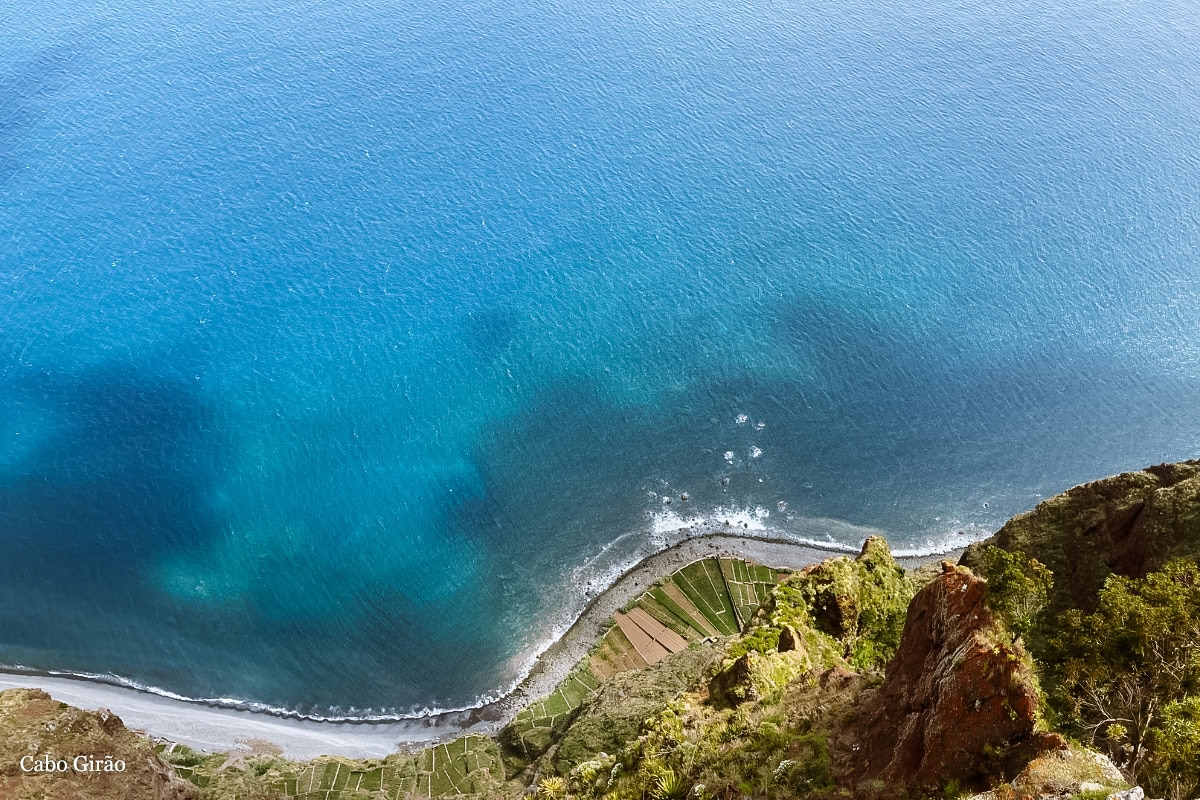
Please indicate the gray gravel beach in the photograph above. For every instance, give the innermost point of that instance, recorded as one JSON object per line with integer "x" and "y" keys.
{"x": 209, "y": 728}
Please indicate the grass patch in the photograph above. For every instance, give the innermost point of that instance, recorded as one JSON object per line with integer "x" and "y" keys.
{"x": 669, "y": 604}
{"x": 703, "y": 584}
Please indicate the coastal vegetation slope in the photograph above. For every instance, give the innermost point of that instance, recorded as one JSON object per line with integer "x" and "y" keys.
{"x": 1058, "y": 659}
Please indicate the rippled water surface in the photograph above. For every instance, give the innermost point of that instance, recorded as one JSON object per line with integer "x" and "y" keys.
{"x": 343, "y": 345}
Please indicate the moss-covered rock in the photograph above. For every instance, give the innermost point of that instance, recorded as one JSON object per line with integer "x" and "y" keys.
{"x": 756, "y": 676}
{"x": 1067, "y": 772}
{"x": 614, "y": 715}
{"x": 1129, "y": 524}
{"x": 860, "y": 602}
{"x": 768, "y": 749}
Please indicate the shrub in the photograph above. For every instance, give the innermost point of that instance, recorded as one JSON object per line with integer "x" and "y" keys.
{"x": 670, "y": 786}
{"x": 1175, "y": 750}
{"x": 1018, "y": 587}
{"x": 1132, "y": 669}
{"x": 552, "y": 788}
{"x": 862, "y": 602}
{"x": 761, "y": 639}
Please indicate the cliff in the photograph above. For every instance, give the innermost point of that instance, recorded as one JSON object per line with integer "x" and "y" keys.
{"x": 50, "y": 750}
{"x": 958, "y": 698}
{"x": 1061, "y": 659}
{"x": 1129, "y": 524}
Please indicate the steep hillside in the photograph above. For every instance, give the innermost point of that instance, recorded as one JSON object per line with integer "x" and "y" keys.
{"x": 1128, "y": 524}
{"x": 1060, "y": 659}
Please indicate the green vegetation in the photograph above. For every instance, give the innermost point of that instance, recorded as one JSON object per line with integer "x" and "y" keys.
{"x": 1175, "y": 749}
{"x": 534, "y": 729}
{"x": 691, "y": 620}
{"x": 741, "y": 688}
{"x": 691, "y": 749}
{"x": 1018, "y": 587}
{"x": 703, "y": 599}
{"x": 760, "y": 639}
{"x": 861, "y": 602}
{"x": 756, "y": 676}
{"x": 615, "y": 715}
{"x": 552, "y": 788}
{"x": 1130, "y": 524}
{"x": 1128, "y": 674}
{"x": 466, "y": 767}
{"x": 704, "y": 585}
{"x": 748, "y": 586}
{"x": 1075, "y": 772}
{"x": 664, "y": 614}
{"x": 759, "y": 727}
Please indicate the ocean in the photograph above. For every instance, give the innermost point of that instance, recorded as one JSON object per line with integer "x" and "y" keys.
{"x": 347, "y": 349}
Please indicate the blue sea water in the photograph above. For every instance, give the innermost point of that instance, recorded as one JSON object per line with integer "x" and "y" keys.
{"x": 342, "y": 345}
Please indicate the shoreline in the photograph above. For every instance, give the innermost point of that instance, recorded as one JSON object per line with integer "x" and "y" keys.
{"x": 212, "y": 727}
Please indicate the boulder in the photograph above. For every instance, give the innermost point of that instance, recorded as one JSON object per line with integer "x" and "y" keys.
{"x": 1135, "y": 793}
{"x": 1067, "y": 771}
{"x": 789, "y": 640}
{"x": 956, "y": 692}
{"x": 734, "y": 685}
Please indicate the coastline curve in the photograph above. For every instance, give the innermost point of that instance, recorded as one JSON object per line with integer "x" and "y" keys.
{"x": 213, "y": 724}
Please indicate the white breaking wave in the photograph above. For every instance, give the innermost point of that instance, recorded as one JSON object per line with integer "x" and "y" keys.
{"x": 236, "y": 704}
{"x": 667, "y": 528}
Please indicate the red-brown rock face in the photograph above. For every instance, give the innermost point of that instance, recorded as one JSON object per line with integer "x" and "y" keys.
{"x": 956, "y": 690}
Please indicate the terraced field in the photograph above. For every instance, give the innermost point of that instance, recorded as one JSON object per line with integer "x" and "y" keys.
{"x": 748, "y": 585}
{"x": 467, "y": 766}
{"x": 708, "y": 598}
{"x": 462, "y": 767}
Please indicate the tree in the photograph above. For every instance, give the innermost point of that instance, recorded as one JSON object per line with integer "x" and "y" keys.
{"x": 1018, "y": 587}
{"x": 1175, "y": 749}
{"x": 1125, "y": 665}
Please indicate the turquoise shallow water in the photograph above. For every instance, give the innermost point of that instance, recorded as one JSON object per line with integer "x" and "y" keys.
{"x": 344, "y": 345}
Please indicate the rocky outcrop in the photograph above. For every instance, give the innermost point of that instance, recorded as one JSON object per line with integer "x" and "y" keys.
{"x": 859, "y": 602}
{"x": 835, "y": 587}
{"x": 789, "y": 640}
{"x": 734, "y": 685}
{"x": 957, "y": 691}
{"x": 1129, "y": 524}
{"x": 1066, "y": 773}
{"x": 613, "y": 716}
{"x": 755, "y": 676}
{"x": 102, "y": 758}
